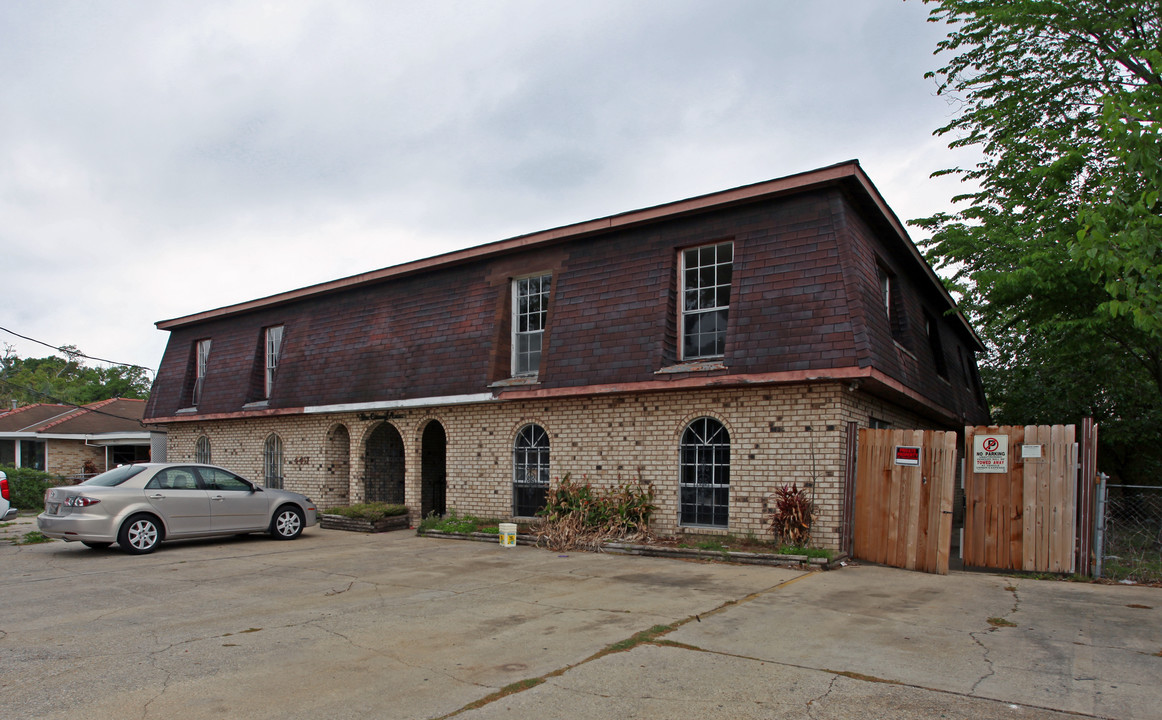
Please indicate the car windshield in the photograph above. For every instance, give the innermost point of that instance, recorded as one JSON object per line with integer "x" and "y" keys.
{"x": 116, "y": 476}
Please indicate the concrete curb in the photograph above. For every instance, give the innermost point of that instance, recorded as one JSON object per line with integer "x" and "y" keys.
{"x": 801, "y": 562}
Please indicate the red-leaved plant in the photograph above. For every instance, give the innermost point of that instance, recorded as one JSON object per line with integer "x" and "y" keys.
{"x": 790, "y": 518}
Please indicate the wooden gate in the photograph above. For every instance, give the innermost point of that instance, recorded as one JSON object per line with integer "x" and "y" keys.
{"x": 1020, "y": 492}
{"x": 903, "y": 498}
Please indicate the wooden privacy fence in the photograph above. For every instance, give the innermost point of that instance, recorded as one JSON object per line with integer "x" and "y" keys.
{"x": 1021, "y": 498}
{"x": 903, "y": 498}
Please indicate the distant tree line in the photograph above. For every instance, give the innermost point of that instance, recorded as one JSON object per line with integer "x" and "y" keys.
{"x": 66, "y": 380}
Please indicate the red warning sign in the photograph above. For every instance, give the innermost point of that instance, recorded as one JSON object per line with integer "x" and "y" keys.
{"x": 907, "y": 455}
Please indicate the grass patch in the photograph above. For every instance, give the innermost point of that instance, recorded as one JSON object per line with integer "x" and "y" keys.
{"x": 1001, "y": 622}
{"x": 752, "y": 544}
{"x": 645, "y": 636}
{"x": 808, "y": 551}
{"x": 457, "y": 525}
{"x": 368, "y": 511}
{"x": 511, "y": 689}
{"x": 7, "y": 524}
{"x": 34, "y": 537}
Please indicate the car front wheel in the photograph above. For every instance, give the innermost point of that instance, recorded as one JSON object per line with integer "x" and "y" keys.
{"x": 139, "y": 535}
{"x": 287, "y": 523}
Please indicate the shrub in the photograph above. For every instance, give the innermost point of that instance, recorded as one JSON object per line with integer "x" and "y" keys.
{"x": 368, "y": 511}
{"x": 576, "y": 515}
{"x": 28, "y": 486}
{"x": 791, "y": 518}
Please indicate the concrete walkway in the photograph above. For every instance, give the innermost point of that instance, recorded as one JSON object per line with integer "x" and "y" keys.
{"x": 343, "y": 625}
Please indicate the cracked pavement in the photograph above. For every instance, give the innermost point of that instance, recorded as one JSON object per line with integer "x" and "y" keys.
{"x": 345, "y": 625}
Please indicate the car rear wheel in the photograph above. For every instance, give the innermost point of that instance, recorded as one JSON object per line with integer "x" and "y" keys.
{"x": 139, "y": 535}
{"x": 287, "y": 523}
{"x": 96, "y": 545}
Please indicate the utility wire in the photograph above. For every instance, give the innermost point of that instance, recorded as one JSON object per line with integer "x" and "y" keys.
{"x": 74, "y": 353}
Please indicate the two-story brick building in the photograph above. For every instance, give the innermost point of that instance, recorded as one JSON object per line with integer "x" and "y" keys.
{"x": 715, "y": 347}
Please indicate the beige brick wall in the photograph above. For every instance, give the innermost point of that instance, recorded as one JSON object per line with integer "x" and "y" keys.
{"x": 67, "y": 457}
{"x": 778, "y": 435}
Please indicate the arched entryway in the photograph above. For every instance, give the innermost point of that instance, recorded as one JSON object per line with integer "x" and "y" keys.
{"x": 433, "y": 470}
{"x": 383, "y": 463}
{"x": 337, "y": 488}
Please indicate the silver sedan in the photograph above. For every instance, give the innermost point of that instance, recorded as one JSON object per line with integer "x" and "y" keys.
{"x": 138, "y": 506}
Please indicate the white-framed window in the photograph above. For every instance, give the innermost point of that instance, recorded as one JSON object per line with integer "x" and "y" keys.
{"x": 704, "y": 483}
{"x": 885, "y": 280}
{"x": 202, "y": 450}
{"x": 272, "y": 461}
{"x": 530, "y": 471}
{"x": 273, "y": 346}
{"x": 530, "y": 311}
{"x": 706, "y": 279}
{"x": 201, "y": 362}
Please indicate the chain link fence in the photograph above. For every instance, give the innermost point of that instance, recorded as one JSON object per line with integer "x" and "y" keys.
{"x": 1130, "y": 539}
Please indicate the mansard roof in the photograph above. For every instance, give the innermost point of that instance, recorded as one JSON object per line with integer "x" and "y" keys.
{"x": 848, "y": 174}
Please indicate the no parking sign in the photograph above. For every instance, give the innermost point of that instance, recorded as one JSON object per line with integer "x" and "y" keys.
{"x": 990, "y": 453}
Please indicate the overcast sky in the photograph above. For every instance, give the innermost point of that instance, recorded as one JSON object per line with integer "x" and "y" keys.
{"x": 158, "y": 159}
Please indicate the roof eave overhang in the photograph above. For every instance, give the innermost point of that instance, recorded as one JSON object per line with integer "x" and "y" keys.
{"x": 866, "y": 379}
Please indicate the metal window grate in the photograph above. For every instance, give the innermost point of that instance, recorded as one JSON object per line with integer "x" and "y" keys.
{"x": 530, "y": 471}
{"x": 272, "y": 462}
{"x": 704, "y": 486}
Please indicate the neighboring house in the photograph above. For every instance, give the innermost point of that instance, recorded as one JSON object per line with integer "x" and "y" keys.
{"x": 714, "y": 348}
{"x": 61, "y": 439}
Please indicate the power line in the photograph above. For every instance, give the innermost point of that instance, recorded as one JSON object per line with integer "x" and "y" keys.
{"x": 74, "y": 352}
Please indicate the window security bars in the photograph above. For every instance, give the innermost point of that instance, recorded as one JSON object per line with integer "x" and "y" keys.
{"x": 530, "y": 471}
{"x": 530, "y": 309}
{"x": 704, "y": 486}
{"x": 272, "y": 462}
{"x": 202, "y": 450}
{"x": 706, "y": 276}
{"x": 273, "y": 350}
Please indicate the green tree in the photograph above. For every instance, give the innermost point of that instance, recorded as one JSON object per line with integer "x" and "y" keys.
{"x": 1057, "y": 248}
{"x": 66, "y": 379}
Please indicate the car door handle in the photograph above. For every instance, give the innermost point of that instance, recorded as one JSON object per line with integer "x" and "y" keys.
{"x": 157, "y": 496}
{"x": 219, "y": 498}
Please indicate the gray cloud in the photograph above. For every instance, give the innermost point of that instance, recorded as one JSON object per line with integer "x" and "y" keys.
{"x": 157, "y": 159}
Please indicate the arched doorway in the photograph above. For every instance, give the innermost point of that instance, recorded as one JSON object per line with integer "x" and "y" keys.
{"x": 383, "y": 463}
{"x": 337, "y": 490}
{"x": 433, "y": 470}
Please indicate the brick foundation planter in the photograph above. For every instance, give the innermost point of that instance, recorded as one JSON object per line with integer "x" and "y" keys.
{"x": 341, "y": 522}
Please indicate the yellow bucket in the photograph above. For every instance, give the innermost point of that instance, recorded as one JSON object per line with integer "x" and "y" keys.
{"x": 508, "y": 534}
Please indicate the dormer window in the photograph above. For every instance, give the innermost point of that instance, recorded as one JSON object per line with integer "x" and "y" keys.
{"x": 706, "y": 277}
{"x": 201, "y": 362}
{"x": 273, "y": 351}
{"x": 530, "y": 311}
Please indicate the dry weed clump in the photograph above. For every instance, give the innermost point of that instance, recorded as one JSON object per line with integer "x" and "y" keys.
{"x": 577, "y": 516}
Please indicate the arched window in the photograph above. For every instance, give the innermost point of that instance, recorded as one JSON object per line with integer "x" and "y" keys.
{"x": 705, "y": 474}
{"x": 202, "y": 450}
{"x": 272, "y": 461}
{"x": 530, "y": 470}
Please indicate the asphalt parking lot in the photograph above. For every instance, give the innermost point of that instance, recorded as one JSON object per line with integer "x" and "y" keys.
{"x": 345, "y": 625}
